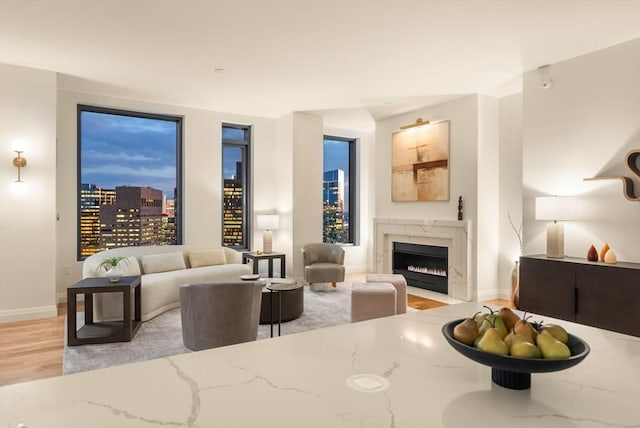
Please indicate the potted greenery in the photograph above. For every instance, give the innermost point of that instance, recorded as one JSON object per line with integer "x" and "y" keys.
{"x": 112, "y": 267}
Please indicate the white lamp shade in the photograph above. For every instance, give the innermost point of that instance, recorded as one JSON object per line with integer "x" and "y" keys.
{"x": 555, "y": 208}
{"x": 268, "y": 222}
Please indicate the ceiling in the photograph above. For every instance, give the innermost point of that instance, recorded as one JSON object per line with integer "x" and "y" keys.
{"x": 350, "y": 58}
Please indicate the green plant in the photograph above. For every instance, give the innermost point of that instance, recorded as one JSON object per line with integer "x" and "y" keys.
{"x": 111, "y": 262}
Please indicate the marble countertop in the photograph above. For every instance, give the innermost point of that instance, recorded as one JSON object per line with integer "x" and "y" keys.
{"x": 302, "y": 380}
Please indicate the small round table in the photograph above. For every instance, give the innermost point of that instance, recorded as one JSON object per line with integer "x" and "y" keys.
{"x": 280, "y": 286}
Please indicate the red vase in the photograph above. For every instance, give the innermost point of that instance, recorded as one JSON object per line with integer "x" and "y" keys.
{"x": 592, "y": 254}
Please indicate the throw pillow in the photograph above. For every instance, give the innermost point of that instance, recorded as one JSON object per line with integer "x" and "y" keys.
{"x": 154, "y": 263}
{"x": 207, "y": 257}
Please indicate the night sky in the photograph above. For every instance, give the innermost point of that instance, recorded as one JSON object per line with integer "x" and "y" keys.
{"x": 124, "y": 150}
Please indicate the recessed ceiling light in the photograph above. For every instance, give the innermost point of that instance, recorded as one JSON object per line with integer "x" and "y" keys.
{"x": 218, "y": 70}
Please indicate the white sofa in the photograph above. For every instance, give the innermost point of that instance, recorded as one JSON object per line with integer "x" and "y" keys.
{"x": 163, "y": 268}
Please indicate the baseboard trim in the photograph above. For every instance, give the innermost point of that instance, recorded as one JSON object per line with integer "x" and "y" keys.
{"x": 494, "y": 294}
{"x": 27, "y": 314}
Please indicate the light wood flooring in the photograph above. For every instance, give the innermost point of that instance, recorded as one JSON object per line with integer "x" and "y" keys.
{"x": 31, "y": 350}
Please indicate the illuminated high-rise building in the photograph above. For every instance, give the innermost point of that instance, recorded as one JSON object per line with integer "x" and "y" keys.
{"x": 335, "y": 225}
{"x": 136, "y": 218}
{"x": 92, "y": 198}
{"x": 232, "y": 210}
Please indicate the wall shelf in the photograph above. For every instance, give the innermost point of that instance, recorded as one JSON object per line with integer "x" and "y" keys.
{"x": 627, "y": 183}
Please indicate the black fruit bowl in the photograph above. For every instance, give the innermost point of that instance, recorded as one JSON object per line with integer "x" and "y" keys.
{"x": 515, "y": 372}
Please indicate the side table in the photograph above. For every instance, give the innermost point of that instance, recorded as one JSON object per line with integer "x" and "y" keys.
{"x": 255, "y": 259}
{"x": 279, "y": 286}
{"x": 103, "y": 332}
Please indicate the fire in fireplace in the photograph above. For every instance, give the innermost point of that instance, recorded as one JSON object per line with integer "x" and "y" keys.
{"x": 423, "y": 266}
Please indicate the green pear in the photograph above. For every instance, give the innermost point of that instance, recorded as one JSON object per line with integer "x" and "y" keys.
{"x": 493, "y": 321}
{"x": 557, "y": 331}
{"x": 492, "y": 342}
{"x": 521, "y": 347}
{"x": 552, "y": 348}
{"x": 479, "y": 318}
{"x": 466, "y": 331}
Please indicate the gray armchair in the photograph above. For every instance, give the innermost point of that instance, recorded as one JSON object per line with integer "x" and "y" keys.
{"x": 323, "y": 263}
{"x": 219, "y": 313}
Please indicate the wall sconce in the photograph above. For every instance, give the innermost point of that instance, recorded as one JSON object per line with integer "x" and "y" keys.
{"x": 267, "y": 222}
{"x": 19, "y": 162}
{"x": 419, "y": 122}
{"x": 555, "y": 208}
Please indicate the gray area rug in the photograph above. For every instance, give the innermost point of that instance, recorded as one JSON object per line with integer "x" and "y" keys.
{"x": 162, "y": 336}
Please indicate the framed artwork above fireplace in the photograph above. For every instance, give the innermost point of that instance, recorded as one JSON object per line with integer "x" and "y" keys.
{"x": 420, "y": 163}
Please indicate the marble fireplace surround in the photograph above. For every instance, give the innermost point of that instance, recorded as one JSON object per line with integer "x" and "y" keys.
{"x": 453, "y": 234}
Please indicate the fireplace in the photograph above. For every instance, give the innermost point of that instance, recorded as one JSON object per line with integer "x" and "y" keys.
{"x": 423, "y": 266}
{"x": 456, "y": 236}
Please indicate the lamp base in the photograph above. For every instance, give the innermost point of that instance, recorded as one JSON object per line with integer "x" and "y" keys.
{"x": 555, "y": 240}
{"x": 267, "y": 241}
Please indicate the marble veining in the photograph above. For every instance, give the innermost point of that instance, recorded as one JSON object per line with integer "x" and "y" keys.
{"x": 300, "y": 381}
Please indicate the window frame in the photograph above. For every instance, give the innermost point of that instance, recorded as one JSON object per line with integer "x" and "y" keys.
{"x": 353, "y": 237}
{"x": 178, "y": 120}
{"x": 245, "y": 145}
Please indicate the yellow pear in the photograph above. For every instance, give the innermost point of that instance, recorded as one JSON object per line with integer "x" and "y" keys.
{"x": 552, "y": 348}
{"x": 492, "y": 342}
{"x": 521, "y": 347}
{"x": 507, "y": 339}
{"x": 556, "y": 331}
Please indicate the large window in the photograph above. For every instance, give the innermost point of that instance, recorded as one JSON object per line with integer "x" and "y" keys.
{"x": 236, "y": 141}
{"x": 339, "y": 191}
{"x": 129, "y": 179}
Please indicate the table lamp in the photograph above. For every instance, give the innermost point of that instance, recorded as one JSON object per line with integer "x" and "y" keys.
{"x": 555, "y": 208}
{"x": 268, "y": 223}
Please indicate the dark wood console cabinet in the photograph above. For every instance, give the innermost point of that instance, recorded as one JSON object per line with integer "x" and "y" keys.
{"x": 592, "y": 293}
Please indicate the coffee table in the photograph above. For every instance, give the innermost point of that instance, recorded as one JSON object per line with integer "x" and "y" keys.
{"x": 282, "y": 286}
{"x": 103, "y": 332}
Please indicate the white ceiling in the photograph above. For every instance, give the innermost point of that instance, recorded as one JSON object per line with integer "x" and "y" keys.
{"x": 342, "y": 58}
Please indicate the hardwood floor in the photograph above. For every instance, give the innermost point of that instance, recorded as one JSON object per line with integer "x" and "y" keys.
{"x": 31, "y": 350}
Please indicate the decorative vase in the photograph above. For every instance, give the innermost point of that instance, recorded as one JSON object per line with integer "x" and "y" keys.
{"x": 114, "y": 274}
{"x": 515, "y": 285}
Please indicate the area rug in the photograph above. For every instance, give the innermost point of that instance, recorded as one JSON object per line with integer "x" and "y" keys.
{"x": 162, "y": 336}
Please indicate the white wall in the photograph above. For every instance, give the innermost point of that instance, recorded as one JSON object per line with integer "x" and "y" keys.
{"x": 584, "y": 126}
{"x": 27, "y": 248}
{"x": 202, "y": 172}
{"x": 463, "y": 167}
{"x": 487, "y": 230}
{"x": 307, "y": 184}
{"x": 510, "y": 188}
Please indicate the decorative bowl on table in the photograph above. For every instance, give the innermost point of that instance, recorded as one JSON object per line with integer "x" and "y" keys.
{"x": 515, "y": 372}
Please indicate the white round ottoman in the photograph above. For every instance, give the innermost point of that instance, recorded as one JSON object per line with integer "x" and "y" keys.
{"x": 372, "y": 300}
{"x": 398, "y": 282}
